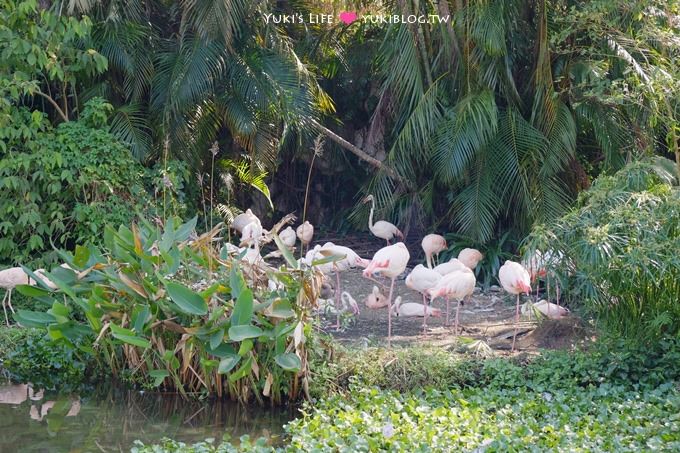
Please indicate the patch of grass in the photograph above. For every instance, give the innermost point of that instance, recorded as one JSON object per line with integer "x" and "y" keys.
{"x": 429, "y": 367}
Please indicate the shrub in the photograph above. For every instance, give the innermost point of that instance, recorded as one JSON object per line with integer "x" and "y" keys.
{"x": 71, "y": 180}
{"x": 616, "y": 253}
{"x": 164, "y": 307}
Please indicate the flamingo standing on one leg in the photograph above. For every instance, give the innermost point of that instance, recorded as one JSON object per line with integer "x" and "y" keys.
{"x": 389, "y": 262}
{"x": 457, "y": 285}
{"x": 515, "y": 279}
{"x": 382, "y": 228}
{"x": 421, "y": 279}
{"x": 432, "y": 244}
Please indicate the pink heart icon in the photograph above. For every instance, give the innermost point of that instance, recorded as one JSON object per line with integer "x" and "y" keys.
{"x": 348, "y": 17}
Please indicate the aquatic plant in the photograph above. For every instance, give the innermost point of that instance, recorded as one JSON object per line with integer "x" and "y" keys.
{"x": 162, "y": 306}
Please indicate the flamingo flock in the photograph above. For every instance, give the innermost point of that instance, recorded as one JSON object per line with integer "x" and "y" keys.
{"x": 453, "y": 280}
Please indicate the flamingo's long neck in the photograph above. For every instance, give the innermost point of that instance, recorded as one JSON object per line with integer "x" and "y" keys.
{"x": 370, "y": 216}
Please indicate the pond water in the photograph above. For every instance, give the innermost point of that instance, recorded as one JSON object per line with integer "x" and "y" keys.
{"x": 112, "y": 419}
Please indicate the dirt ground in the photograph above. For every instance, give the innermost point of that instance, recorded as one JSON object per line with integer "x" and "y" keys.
{"x": 488, "y": 317}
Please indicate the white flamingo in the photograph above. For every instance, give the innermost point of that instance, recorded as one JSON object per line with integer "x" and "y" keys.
{"x": 470, "y": 257}
{"x": 432, "y": 244}
{"x": 454, "y": 264}
{"x": 422, "y": 279}
{"x": 305, "y": 233}
{"x": 516, "y": 280}
{"x": 10, "y": 279}
{"x": 382, "y": 228}
{"x": 413, "y": 309}
{"x": 241, "y": 220}
{"x": 288, "y": 237}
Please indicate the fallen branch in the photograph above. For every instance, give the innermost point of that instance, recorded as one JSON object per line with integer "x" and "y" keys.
{"x": 361, "y": 154}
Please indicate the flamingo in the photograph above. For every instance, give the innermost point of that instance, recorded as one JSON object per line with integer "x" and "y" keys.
{"x": 288, "y": 237}
{"x": 251, "y": 235}
{"x": 411, "y": 309}
{"x": 389, "y": 262}
{"x": 382, "y": 228}
{"x": 433, "y": 244}
{"x": 345, "y": 258}
{"x": 349, "y": 304}
{"x": 457, "y": 285}
{"x": 548, "y": 309}
{"x": 376, "y": 299}
{"x": 470, "y": 257}
{"x": 9, "y": 279}
{"x": 516, "y": 280}
{"x": 241, "y": 220}
{"x": 421, "y": 279}
{"x": 454, "y": 264}
{"x": 305, "y": 233}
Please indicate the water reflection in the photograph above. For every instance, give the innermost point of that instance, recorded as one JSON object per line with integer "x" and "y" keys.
{"x": 111, "y": 419}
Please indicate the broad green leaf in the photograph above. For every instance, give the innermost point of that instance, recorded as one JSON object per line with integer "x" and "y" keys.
{"x": 60, "y": 312}
{"x": 290, "y": 259}
{"x": 32, "y": 291}
{"x": 216, "y": 339}
{"x": 81, "y": 256}
{"x": 228, "y": 363}
{"x": 184, "y": 230}
{"x": 188, "y": 301}
{"x": 128, "y": 336}
{"x": 288, "y": 361}
{"x": 140, "y": 315}
{"x": 236, "y": 282}
{"x": 240, "y": 333}
{"x": 222, "y": 351}
{"x": 243, "y": 371}
{"x": 29, "y": 318}
{"x": 282, "y": 308}
{"x": 158, "y": 376}
{"x": 246, "y": 347}
{"x": 243, "y": 308}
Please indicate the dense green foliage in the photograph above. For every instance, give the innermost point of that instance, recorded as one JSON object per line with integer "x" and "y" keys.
{"x": 485, "y": 123}
{"x": 61, "y": 186}
{"x": 161, "y": 308}
{"x": 616, "y": 252}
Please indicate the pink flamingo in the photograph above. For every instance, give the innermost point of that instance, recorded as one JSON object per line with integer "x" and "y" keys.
{"x": 457, "y": 285}
{"x": 389, "y": 262}
{"x": 433, "y": 244}
{"x": 376, "y": 299}
{"x": 515, "y": 279}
